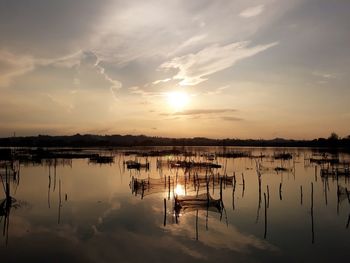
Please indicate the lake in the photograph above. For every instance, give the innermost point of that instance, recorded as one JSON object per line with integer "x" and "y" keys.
{"x": 261, "y": 205}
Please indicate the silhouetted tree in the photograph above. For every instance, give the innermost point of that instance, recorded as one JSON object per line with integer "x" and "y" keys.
{"x": 333, "y": 137}
{"x": 333, "y": 140}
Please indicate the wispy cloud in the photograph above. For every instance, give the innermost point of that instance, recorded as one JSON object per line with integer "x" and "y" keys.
{"x": 214, "y": 114}
{"x": 67, "y": 61}
{"x": 115, "y": 84}
{"x": 188, "y": 43}
{"x": 217, "y": 90}
{"x": 252, "y": 11}
{"x": 324, "y": 77}
{"x": 61, "y": 103}
{"x": 200, "y": 112}
{"x": 140, "y": 91}
{"x": 80, "y": 59}
{"x": 12, "y": 65}
{"x": 231, "y": 118}
{"x": 203, "y": 111}
{"x": 161, "y": 81}
{"x": 91, "y": 58}
{"x": 194, "y": 68}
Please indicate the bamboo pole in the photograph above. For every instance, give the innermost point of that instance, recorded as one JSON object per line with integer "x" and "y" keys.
{"x": 197, "y": 225}
{"x": 265, "y": 232}
{"x": 233, "y": 197}
{"x": 338, "y": 199}
{"x": 59, "y": 201}
{"x": 325, "y": 191}
{"x": 168, "y": 187}
{"x": 316, "y": 173}
{"x": 221, "y": 189}
{"x": 312, "y": 214}
{"x": 280, "y": 191}
{"x": 259, "y": 183}
{"x": 164, "y": 212}
{"x": 243, "y": 182}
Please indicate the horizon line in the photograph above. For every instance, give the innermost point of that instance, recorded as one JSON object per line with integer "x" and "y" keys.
{"x": 166, "y": 137}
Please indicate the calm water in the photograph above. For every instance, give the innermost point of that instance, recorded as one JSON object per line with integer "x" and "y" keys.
{"x": 85, "y": 212}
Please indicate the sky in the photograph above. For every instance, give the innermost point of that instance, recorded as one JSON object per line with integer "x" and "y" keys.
{"x": 175, "y": 68}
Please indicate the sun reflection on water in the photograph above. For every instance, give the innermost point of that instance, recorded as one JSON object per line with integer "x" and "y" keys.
{"x": 179, "y": 190}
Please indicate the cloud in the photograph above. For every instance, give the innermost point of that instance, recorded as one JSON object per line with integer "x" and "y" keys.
{"x": 205, "y": 114}
{"x": 67, "y": 61}
{"x": 115, "y": 84}
{"x": 139, "y": 91}
{"x": 199, "y": 112}
{"x": 324, "y": 77}
{"x": 194, "y": 68}
{"x": 217, "y": 90}
{"x": 12, "y": 65}
{"x": 87, "y": 62}
{"x": 161, "y": 81}
{"x": 252, "y": 11}
{"x": 231, "y": 118}
{"x": 60, "y": 103}
{"x": 195, "y": 40}
{"x": 204, "y": 111}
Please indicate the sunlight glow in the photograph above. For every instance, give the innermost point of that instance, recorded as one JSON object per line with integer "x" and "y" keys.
{"x": 179, "y": 190}
{"x": 177, "y": 100}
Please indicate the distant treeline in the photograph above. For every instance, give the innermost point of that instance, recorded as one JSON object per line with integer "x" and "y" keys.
{"x": 88, "y": 140}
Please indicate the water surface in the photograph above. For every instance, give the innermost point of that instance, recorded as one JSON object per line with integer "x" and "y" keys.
{"x": 79, "y": 211}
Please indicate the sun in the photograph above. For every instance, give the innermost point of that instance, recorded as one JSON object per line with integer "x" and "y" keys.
{"x": 177, "y": 100}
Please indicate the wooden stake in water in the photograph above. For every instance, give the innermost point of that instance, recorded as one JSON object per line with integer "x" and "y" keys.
{"x": 338, "y": 199}
{"x": 312, "y": 214}
{"x": 207, "y": 182}
{"x": 301, "y": 195}
{"x": 197, "y": 225}
{"x": 316, "y": 173}
{"x": 259, "y": 183}
{"x": 221, "y": 189}
{"x": 169, "y": 187}
{"x": 59, "y": 201}
{"x": 268, "y": 196}
{"x": 243, "y": 182}
{"x": 325, "y": 191}
{"x": 164, "y": 212}
{"x": 265, "y": 216}
{"x": 143, "y": 188}
{"x": 280, "y": 191}
{"x": 233, "y": 193}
